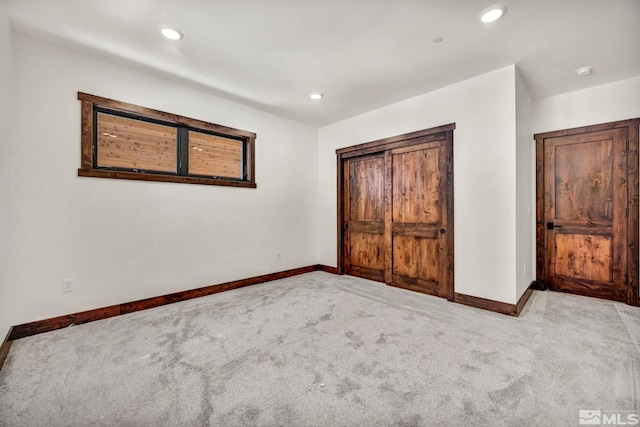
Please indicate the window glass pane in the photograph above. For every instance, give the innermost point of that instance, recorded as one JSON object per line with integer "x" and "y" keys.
{"x": 134, "y": 144}
{"x": 213, "y": 155}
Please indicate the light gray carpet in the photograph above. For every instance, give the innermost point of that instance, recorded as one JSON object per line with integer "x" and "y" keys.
{"x": 325, "y": 350}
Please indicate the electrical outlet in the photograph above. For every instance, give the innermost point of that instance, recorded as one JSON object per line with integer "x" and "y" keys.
{"x": 68, "y": 285}
{"x": 278, "y": 255}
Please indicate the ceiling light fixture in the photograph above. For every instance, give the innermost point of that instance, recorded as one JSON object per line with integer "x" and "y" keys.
{"x": 172, "y": 33}
{"x": 316, "y": 95}
{"x": 584, "y": 71}
{"x": 493, "y": 13}
{"x": 437, "y": 39}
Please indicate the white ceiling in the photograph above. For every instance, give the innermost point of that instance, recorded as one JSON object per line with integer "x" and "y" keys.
{"x": 362, "y": 54}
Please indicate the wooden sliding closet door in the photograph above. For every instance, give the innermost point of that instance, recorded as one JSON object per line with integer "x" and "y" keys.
{"x": 419, "y": 218}
{"x": 364, "y": 238}
{"x": 395, "y": 209}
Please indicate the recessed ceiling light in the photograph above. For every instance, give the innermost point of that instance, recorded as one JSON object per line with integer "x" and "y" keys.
{"x": 493, "y": 13}
{"x": 584, "y": 71}
{"x": 172, "y": 33}
{"x": 316, "y": 95}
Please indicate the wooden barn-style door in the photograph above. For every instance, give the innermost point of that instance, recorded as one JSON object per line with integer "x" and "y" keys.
{"x": 395, "y": 202}
{"x": 587, "y": 211}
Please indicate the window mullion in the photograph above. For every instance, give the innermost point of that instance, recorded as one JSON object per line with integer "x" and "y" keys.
{"x": 183, "y": 151}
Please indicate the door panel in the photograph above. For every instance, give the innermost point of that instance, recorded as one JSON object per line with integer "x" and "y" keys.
{"x": 584, "y": 181}
{"x": 367, "y": 189}
{"x": 585, "y": 213}
{"x": 364, "y": 180}
{"x": 587, "y": 257}
{"x": 416, "y": 189}
{"x": 413, "y": 257}
{"x": 367, "y": 254}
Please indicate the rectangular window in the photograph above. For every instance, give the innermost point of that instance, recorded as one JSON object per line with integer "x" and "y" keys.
{"x": 214, "y": 155}
{"x": 135, "y": 144}
{"x": 126, "y": 141}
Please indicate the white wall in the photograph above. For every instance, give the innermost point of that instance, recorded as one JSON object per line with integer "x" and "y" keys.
{"x": 5, "y": 164}
{"x": 601, "y": 104}
{"x": 484, "y": 111}
{"x": 126, "y": 240}
{"x": 525, "y": 190}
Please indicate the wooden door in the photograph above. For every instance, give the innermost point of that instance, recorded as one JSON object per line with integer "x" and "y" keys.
{"x": 364, "y": 237}
{"x": 586, "y": 212}
{"x": 395, "y": 211}
{"x": 419, "y": 218}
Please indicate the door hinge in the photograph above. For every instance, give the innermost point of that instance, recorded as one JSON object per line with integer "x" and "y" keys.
{"x": 627, "y": 145}
{"x": 627, "y": 212}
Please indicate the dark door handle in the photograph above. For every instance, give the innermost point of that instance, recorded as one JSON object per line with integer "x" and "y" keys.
{"x": 551, "y": 226}
{"x": 442, "y": 231}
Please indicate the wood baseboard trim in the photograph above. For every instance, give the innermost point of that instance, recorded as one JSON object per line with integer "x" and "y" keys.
{"x": 525, "y": 297}
{"x": 497, "y": 306}
{"x": 326, "y": 268}
{"x": 4, "y": 348}
{"x": 485, "y": 304}
{"x": 47, "y": 325}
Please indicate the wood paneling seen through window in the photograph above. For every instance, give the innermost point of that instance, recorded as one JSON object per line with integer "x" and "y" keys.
{"x": 213, "y": 155}
{"x": 135, "y": 144}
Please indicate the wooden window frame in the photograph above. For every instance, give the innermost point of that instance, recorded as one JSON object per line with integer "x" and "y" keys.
{"x": 92, "y": 104}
